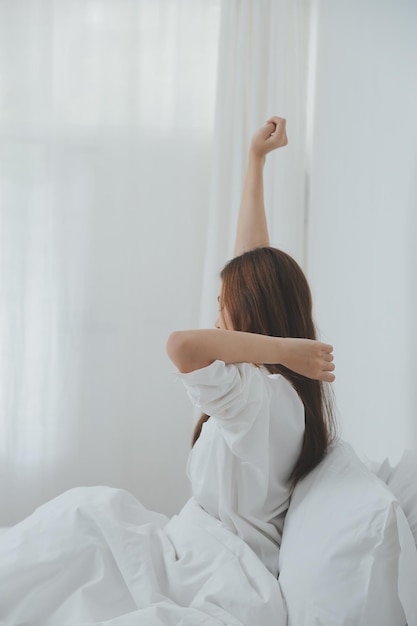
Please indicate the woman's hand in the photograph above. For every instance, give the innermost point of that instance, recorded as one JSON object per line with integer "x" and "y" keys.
{"x": 309, "y": 358}
{"x": 271, "y": 136}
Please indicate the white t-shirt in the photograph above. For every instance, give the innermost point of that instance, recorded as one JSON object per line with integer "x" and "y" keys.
{"x": 240, "y": 465}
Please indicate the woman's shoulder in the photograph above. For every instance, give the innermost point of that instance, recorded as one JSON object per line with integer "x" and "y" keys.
{"x": 282, "y": 390}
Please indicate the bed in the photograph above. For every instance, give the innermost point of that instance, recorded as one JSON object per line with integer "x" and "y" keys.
{"x": 97, "y": 556}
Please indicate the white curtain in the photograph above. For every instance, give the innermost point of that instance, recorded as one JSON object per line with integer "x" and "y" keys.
{"x": 263, "y": 70}
{"x": 106, "y": 117}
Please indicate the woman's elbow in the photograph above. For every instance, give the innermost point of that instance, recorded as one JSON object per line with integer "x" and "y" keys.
{"x": 179, "y": 351}
{"x": 188, "y": 350}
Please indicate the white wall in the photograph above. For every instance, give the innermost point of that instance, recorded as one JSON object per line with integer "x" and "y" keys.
{"x": 362, "y": 259}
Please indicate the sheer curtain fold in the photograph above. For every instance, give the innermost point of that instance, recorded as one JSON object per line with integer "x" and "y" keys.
{"x": 262, "y": 71}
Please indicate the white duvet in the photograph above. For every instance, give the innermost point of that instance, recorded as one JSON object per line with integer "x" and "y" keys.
{"x": 97, "y": 556}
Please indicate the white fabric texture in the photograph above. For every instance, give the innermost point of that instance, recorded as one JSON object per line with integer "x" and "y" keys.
{"x": 347, "y": 554}
{"x": 240, "y": 465}
{"x": 96, "y": 556}
{"x": 401, "y": 479}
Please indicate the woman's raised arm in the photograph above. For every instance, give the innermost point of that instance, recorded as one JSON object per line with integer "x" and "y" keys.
{"x": 252, "y": 229}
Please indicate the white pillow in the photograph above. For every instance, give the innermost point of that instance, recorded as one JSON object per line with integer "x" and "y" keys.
{"x": 340, "y": 553}
{"x": 402, "y": 481}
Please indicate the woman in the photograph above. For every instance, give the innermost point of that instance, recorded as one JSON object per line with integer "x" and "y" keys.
{"x": 96, "y": 555}
{"x": 270, "y": 424}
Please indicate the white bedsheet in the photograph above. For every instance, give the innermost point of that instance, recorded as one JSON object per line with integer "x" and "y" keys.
{"x": 97, "y": 556}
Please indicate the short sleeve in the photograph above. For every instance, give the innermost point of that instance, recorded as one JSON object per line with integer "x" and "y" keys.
{"x": 227, "y": 392}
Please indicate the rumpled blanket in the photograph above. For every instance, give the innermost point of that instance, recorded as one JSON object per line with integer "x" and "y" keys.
{"x": 95, "y": 555}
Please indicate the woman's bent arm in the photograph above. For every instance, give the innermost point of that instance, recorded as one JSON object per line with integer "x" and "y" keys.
{"x": 190, "y": 350}
{"x": 252, "y": 229}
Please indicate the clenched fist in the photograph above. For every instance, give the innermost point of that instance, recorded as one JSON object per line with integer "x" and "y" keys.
{"x": 271, "y": 136}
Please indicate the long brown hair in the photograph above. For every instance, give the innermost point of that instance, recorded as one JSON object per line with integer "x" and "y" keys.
{"x": 265, "y": 291}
